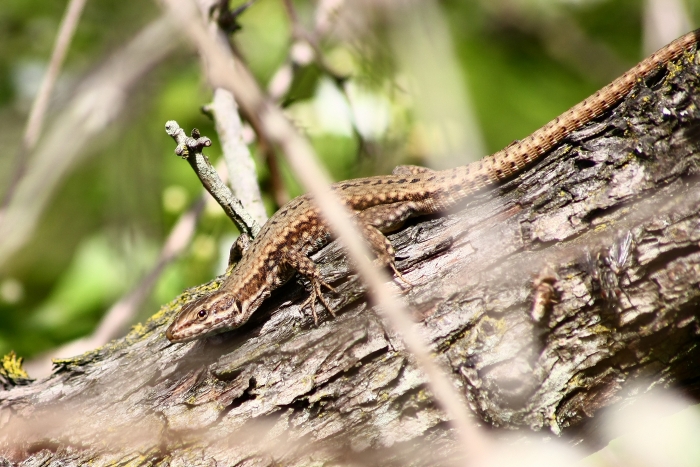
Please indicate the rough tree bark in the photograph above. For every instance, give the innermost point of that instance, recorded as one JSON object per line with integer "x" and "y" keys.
{"x": 545, "y": 296}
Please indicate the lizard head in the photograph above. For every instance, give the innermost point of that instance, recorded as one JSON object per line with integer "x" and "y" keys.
{"x": 211, "y": 314}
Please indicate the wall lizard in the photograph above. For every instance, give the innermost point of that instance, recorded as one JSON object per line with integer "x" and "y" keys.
{"x": 381, "y": 204}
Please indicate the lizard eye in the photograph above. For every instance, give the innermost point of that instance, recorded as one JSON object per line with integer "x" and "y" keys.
{"x": 202, "y": 314}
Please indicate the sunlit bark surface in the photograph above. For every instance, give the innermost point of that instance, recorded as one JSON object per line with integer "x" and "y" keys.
{"x": 547, "y": 297}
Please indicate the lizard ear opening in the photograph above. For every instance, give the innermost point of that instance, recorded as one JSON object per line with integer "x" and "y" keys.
{"x": 225, "y": 304}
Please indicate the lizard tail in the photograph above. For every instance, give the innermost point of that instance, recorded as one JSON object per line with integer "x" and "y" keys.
{"x": 512, "y": 159}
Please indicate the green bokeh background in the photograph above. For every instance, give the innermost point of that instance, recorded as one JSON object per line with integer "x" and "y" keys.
{"x": 105, "y": 225}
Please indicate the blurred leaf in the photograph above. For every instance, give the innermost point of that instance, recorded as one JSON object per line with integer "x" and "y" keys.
{"x": 264, "y": 38}
{"x": 304, "y": 84}
{"x": 95, "y": 278}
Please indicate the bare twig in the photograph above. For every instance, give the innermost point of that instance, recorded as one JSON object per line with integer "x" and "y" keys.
{"x": 243, "y": 178}
{"x": 63, "y": 40}
{"x": 35, "y": 122}
{"x": 299, "y": 32}
{"x": 191, "y": 150}
{"x": 303, "y": 161}
{"x": 277, "y": 188}
{"x": 96, "y": 105}
{"x": 247, "y": 178}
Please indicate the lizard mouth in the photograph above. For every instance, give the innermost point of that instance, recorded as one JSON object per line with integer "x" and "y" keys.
{"x": 170, "y": 334}
{"x": 176, "y": 337}
{"x": 179, "y": 333}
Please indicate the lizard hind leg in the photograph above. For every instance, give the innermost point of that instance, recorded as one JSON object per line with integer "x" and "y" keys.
{"x": 385, "y": 218}
{"x": 383, "y": 249}
{"x": 307, "y": 268}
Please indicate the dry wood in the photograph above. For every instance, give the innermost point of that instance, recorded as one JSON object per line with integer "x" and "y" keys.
{"x": 609, "y": 219}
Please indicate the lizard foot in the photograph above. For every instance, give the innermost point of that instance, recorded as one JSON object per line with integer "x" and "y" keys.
{"x": 400, "y": 276}
{"x": 317, "y": 293}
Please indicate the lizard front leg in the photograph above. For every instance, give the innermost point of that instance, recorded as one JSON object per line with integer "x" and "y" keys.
{"x": 377, "y": 220}
{"x": 372, "y": 223}
{"x": 307, "y": 268}
{"x": 383, "y": 249}
{"x": 239, "y": 247}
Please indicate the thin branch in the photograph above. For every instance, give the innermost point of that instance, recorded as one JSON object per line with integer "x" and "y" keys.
{"x": 221, "y": 73}
{"x": 95, "y": 107}
{"x": 125, "y": 309}
{"x": 299, "y": 32}
{"x": 310, "y": 39}
{"x": 277, "y": 187}
{"x": 191, "y": 150}
{"x": 37, "y": 113}
{"x": 243, "y": 178}
{"x": 212, "y": 11}
{"x": 65, "y": 34}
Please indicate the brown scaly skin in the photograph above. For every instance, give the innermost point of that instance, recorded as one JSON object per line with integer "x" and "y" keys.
{"x": 381, "y": 204}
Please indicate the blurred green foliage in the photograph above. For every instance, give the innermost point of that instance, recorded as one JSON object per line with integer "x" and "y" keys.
{"x": 103, "y": 229}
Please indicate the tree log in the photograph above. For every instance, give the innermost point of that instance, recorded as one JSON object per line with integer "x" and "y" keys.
{"x": 546, "y": 297}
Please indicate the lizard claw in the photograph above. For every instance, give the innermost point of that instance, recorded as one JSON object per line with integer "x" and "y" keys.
{"x": 316, "y": 292}
{"x": 400, "y": 276}
{"x": 378, "y": 262}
